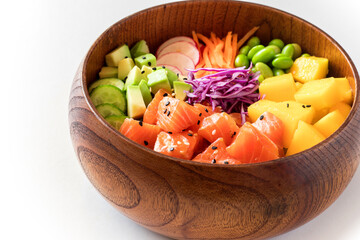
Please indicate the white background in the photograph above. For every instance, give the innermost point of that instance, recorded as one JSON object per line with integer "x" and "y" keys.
{"x": 44, "y": 193}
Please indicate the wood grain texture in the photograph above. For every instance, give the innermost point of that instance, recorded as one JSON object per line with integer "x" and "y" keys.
{"x": 186, "y": 200}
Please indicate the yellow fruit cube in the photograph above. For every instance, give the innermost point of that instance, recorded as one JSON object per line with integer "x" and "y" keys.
{"x": 343, "y": 108}
{"x": 345, "y": 91}
{"x": 321, "y": 94}
{"x": 298, "y": 85}
{"x": 279, "y": 88}
{"x": 305, "y": 69}
{"x": 330, "y": 123}
{"x": 305, "y": 137}
{"x": 289, "y": 112}
{"x": 319, "y": 114}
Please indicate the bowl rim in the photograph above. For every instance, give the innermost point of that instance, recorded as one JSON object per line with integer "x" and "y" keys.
{"x": 164, "y": 157}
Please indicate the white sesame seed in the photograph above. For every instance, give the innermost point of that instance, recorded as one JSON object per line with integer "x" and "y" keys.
{"x": 213, "y": 132}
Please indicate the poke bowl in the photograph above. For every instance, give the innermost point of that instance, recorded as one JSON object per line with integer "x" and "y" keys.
{"x": 185, "y": 199}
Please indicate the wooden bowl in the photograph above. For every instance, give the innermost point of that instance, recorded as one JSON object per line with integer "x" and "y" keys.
{"x": 188, "y": 200}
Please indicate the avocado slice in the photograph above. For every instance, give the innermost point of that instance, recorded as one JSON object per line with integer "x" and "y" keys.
{"x": 134, "y": 77}
{"x": 145, "y": 71}
{"x": 146, "y": 60}
{"x": 113, "y": 58}
{"x": 135, "y": 103}
{"x": 140, "y": 48}
{"x": 108, "y": 72}
{"x": 124, "y": 67}
{"x": 170, "y": 75}
{"x": 180, "y": 88}
{"x": 145, "y": 92}
{"x": 157, "y": 80}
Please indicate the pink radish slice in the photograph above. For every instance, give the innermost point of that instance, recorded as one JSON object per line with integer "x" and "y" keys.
{"x": 172, "y": 40}
{"x": 172, "y": 68}
{"x": 182, "y": 47}
{"x": 179, "y": 60}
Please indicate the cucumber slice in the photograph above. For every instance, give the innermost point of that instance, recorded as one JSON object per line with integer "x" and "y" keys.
{"x": 108, "y": 94}
{"x": 107, "y": 81}
{"x": 116, "y": 120}
{"x": 108, "y": 109}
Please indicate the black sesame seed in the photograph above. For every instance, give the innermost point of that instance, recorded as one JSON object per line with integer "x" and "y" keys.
{"x": 165, "y": 94}
{"x": 163, "y": 67}
{"x": 165, "y": 110}
{"x": 206, "y": 110}
{"x": 190, "y": 134}
{"x": 171, "y": 149}
{"x": 149, "y": 63}
{"x": 169, "y": 132}
{"x": 214, "y": 147}
{"x": 213, "y": 161}
{"x": 308, "y": 106}
{"x": 287, "y": 105}
{"x": 140, "y": 123}
{"x": 142, "y": 72}
{"x": 198, "y": 123}
{"x": 261, "y": 117}
{"x": 125, "y": 78}
{"x": 303, "y": 106}
{"x": 185, "y": 78}
{"x": 183, "y": 130}
{"x": 146, "y": 143}
{"x": 126, "y": 57}
{"x": 144, "y": 57}
{"x": 200, "y": 114}
{"x": 154, "y": 68}
{"x": 233, "y": 134}
{"x": 168, "y": 113}
{"x": 167, "y": 103}
{"x": 226, "y": 162}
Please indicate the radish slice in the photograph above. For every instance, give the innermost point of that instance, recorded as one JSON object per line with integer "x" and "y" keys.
{"x": 172, "y": 68}
{"x": 179, "y": 60}
{"x": 175, "y": 39}
{"x": 182, "y": 47}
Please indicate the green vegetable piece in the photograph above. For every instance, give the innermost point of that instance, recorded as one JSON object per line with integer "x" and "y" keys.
{"x": 107, "y": 81}
{"x": 252, "y": 42}
{"x": 108, "y": 72}
{"x": 261, "y": 78}
{"x": 241, "y": 60}
{"x": 305, "y": 55}
{"x": 276, "y": 48}
{"x": 112, "y": 59}
{"x": 254, "y": 50}
{"x": 108, "y": 109}
{"x": 145, "y": 71}
{"x": 280, "y": 55}
{"x": 116, "y": 120}
{"x": 180, "y": 88}
{"x": 264, "y": 69}
{"x": 135, "y": 102}
{"x": 282, "y": 62}
{"x": 145, "y": 92}
{"x": 172, "y": 77}
{"x": 297, "y": 50}
{"x": 277, "y": 42}
{"x": 124, "y": 67}
{"x": 146, "y": 60}
{"x": 278, "y": 72}
{"x": 265, "y": 55}
{"x": 134, "y": 77}
{"x": 254, "y": 70}
{"x": 108, "y": 94}
{"x": 157, "y": 80}
{"x": 140, "y": 48}
{"x": 244, "y": 50}
{"x": 288, "y": 50}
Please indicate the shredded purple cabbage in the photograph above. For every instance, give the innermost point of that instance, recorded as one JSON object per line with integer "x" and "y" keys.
{"x": 232, "y": 89}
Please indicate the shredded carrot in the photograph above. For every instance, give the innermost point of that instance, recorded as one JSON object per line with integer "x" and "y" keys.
{"x": 218, "y": 55}
{"x": 205, "y": 40}
{"x": 227, "y": 49}
{"x": 196, "y": 40}
{"x": 246, "y": 37}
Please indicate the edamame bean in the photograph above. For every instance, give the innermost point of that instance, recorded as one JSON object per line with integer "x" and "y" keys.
{"x": 280, "y": 55}
{"x": 278, "y": 72}
{"x": 261, "y": 78}
{"x": 254, "y": 70}
{"x": 277, "y": 42}
{"x": 288, "y": 50}
{"x": 297, "y": 50}
{"x": 252, "y": 42}
{"x": 241, "y": 60}
{"x": 305, "y": 55}
{"x": 244, "y": 50}
{"x": 276, "y": 48}
{"x": 264, "y": 69}
{"x": 282, "y": 62}
{"x": 264, "y": 55}
{"x": 254, "y": 50}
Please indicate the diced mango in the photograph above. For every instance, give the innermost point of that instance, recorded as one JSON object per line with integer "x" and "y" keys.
{"x": 279, "y": 88}
{"x": 319, "y": 114}
{"x": 289, "y": 112}
{"x": 345, "y": 91}
{"x": 343, "y": 108}
{"x": 330, "y": 123}
{"x": 321, "y": 94}
{"x": 305, "y": 137}
{"x": 298, "y": 85}
{"x": 305, "y": 69}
